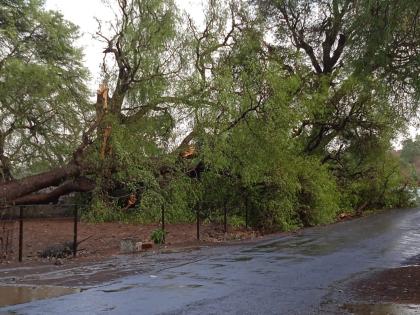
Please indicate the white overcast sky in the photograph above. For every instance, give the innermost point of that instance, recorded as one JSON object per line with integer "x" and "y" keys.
{"x": 82, "y": 13}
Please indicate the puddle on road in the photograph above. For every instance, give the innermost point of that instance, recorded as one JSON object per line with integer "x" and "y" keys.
{"x": 11, "y": 295}
{"x": 300, "y": 245}
{"x": 242, "y": 258}
{"x": 192, "y": 286}
{"x": 178, "y": 286}
{"x": 128, "y": 287}
{"x": 218, "y": 262}
{"x": 382, "y": 309}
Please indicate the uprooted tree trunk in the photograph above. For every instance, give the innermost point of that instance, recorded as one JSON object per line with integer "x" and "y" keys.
{"x": 68, "y": 178}
{"x": 13, "y": 191}
{"x": 62, "y": 180}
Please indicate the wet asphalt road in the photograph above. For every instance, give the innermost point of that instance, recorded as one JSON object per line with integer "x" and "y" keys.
{"x": 288, "y": 275}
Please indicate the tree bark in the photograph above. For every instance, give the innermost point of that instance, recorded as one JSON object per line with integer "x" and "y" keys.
{"x": 81, "y": 184}
{"x": 11, "y": 191}
{"x": 22, "y": 191}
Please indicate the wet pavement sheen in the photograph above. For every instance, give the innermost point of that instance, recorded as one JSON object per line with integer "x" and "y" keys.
{"x": 298, "y": 274}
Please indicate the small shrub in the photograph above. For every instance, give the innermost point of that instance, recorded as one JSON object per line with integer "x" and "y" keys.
{"x": 236, "y": 221}
{"x": 101, "y": 211}
{"x": 158, "y": 236}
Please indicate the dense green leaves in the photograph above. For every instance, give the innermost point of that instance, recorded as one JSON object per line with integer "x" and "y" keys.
{"x": 410, "y": 157}
{"x": 43, "y": 98}
{"x": 287, "y": 107}
{"x": 410, "y": 152}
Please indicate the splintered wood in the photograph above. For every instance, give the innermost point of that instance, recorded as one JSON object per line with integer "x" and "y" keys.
{"x": 189, "y": 152}
{"x": 102, "y": 110}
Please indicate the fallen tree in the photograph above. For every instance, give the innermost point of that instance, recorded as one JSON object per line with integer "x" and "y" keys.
{"x": 94, "y": 156}
{"x": 185, "y": 113}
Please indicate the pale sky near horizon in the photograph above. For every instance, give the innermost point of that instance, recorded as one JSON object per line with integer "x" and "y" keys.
{"x": 83, "y": 13}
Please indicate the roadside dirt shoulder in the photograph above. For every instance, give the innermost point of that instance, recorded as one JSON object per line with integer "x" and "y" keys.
{"x": 102, "y": 240}
{"x": 396, "y": 285}
{"x": 99, "y": 259}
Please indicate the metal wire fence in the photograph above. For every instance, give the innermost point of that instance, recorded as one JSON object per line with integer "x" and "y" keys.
{"x": 27, "y": 230}
{"x": 17, "y": 216}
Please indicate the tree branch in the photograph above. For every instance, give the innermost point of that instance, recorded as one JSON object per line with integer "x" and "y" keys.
{"x": 81, "y": 184}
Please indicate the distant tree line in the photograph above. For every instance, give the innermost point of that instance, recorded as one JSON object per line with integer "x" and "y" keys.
{"x": 410, "y": 155}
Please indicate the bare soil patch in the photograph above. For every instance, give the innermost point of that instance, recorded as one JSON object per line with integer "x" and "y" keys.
{"x": 396, "y": 285}
{"x": 104, "y": 238}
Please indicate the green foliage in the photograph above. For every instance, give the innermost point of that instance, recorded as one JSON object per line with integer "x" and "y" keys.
{"x": 291, "y": 132}
{"x": 236, "y": 221}
{"x": 43, "y": 96}
{"x": 410, "y": 152}
{"x": 381, "y": 185}
{"x": 318, "y": 198}
{"x": 289, "y": 147}
{"x": 158, "y": 236}
{"x": 101, "y": 211}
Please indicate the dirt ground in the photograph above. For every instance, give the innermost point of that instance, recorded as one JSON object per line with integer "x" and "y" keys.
{"x": 103, "y": 239}
{"x": 396, "y": 285}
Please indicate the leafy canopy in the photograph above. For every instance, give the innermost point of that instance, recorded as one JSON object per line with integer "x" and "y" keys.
{"x": 43, "y": 96}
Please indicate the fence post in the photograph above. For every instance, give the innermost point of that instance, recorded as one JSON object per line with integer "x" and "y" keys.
{"x": 163, "y": 223}
{"x": 246, "y": 213}
{"x": 20, "y": 233}
{"x": 75, "y": 231}
{"x": 198, "y": 221}
{"x": 225, "y": 216}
